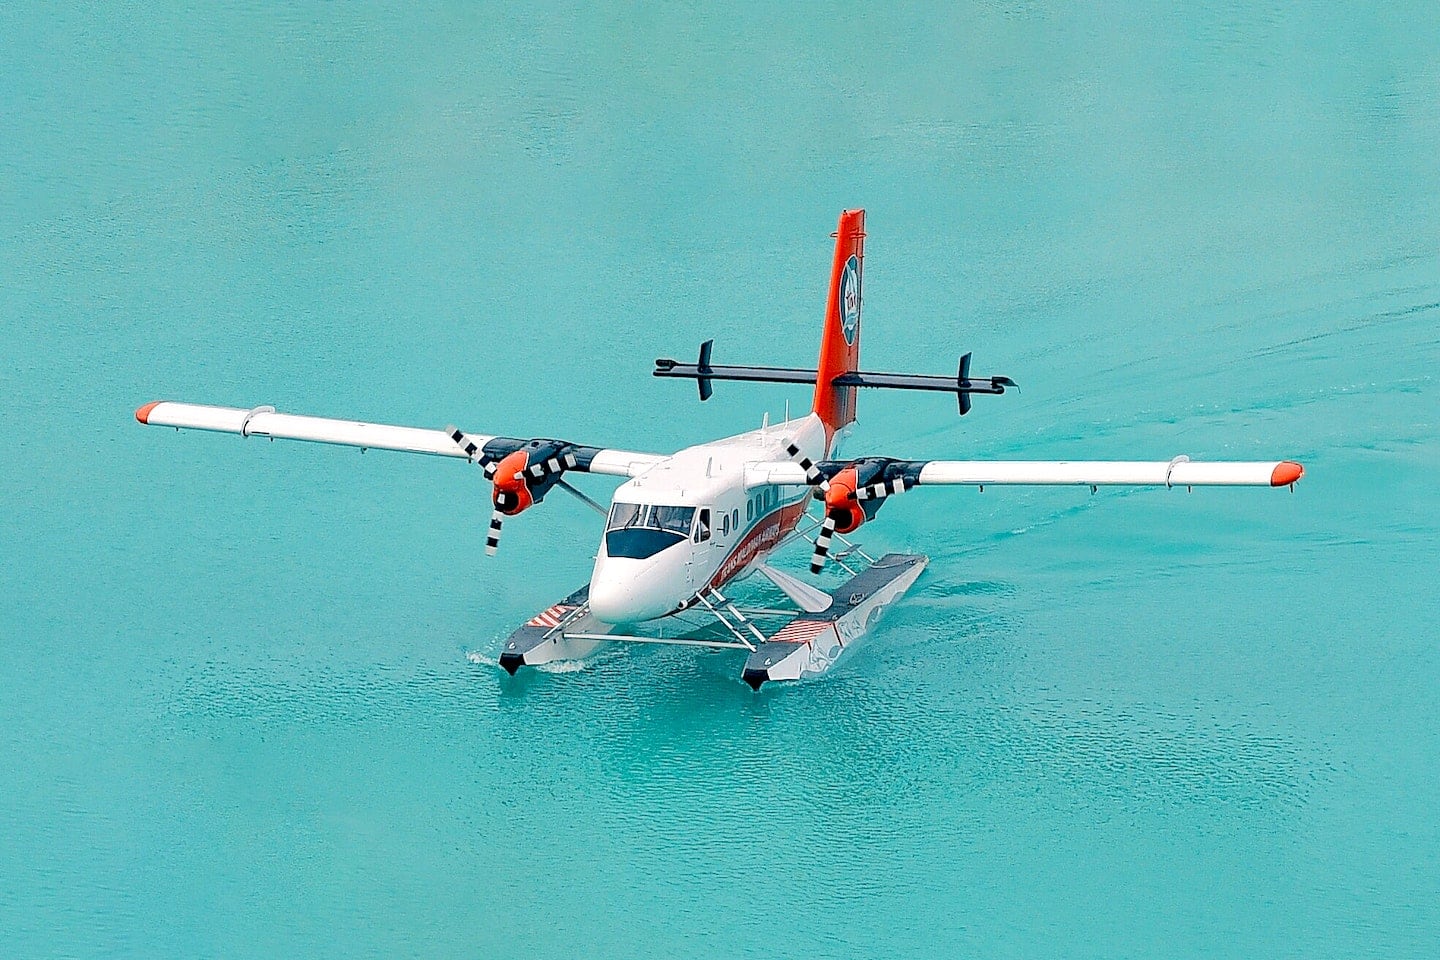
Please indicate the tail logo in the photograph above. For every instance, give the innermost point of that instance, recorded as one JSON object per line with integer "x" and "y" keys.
{"x": 850, "y": 299}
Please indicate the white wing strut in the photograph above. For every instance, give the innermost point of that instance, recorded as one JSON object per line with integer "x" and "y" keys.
{"x": 266, "y": 422}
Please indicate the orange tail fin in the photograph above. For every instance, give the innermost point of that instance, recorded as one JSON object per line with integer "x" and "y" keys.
{"x": 840, "y": 343}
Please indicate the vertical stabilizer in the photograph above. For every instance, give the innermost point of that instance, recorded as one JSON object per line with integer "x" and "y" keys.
{"x": 840, "y": 343}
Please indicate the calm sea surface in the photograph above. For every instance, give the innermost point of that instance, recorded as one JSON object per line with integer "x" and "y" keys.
{"x": 248, "y": 700}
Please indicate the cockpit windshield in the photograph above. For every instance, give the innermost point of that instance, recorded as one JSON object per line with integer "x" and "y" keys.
{"x": 624, "y": 516}
{"x": 640, "y": 530}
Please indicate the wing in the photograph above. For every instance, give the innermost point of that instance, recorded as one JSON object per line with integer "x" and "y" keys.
{"x": 266, "y": 422}
{"x": 854, "y": 490}
{"x": 1179, "y": 472}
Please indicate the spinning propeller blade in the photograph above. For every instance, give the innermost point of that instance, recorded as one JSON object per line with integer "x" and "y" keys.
{"x": 852, "y": 496}
{"x": 492, "y": 539}
{"x": 879, "y": 491}
{"x": 521, "y": 473}
{"x": 552, "y": 466}
{"x": 822, "y": 545}
{"x": 473, "y": 450}
{"x": 812, "y": 473}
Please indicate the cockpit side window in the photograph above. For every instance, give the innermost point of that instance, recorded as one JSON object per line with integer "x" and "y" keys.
{"x": 702, "y": 526}
{"x": 674, "y": 519}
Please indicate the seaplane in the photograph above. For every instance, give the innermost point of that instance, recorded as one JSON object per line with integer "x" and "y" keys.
{"x": 684, "y": 528}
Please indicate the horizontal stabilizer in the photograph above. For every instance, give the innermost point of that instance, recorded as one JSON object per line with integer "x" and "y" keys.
{"x": 706, "y": 373}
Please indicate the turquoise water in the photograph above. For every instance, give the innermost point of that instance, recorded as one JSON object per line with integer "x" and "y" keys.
{"x": 248, "y": 705}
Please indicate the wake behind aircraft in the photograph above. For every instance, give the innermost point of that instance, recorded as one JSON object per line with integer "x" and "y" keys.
{"x": 685, "y": 526}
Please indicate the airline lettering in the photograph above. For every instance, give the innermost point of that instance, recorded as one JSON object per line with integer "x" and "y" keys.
{"x": 766, "y": 534}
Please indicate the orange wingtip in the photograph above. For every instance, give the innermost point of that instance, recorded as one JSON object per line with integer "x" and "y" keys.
{"x": 143, "y": 414}
{"x": 1285, "y": 473}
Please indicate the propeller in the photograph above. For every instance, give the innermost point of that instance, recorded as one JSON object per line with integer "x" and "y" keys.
{"x": 853, "y": 496}
{"x": 510, "y": 494}
{"x": 841, "y": 508}
{"x": 520, "y": 475}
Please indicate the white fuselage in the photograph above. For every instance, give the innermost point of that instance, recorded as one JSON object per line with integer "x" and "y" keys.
{"x": 691, "y": 522}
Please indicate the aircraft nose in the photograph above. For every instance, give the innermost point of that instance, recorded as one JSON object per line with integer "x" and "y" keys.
{"x": 608, "y": 601}
{"x": 625, "y": 591}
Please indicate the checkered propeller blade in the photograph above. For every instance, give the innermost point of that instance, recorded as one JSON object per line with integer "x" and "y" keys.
{"x": 883, "y": 489}
{"x": 812, "y": 473}
{"x": 473, "y": 451}
{"x": 822, "y": 545}
{"x": 553, "y": 465}
{"x": 492, "y": 539}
